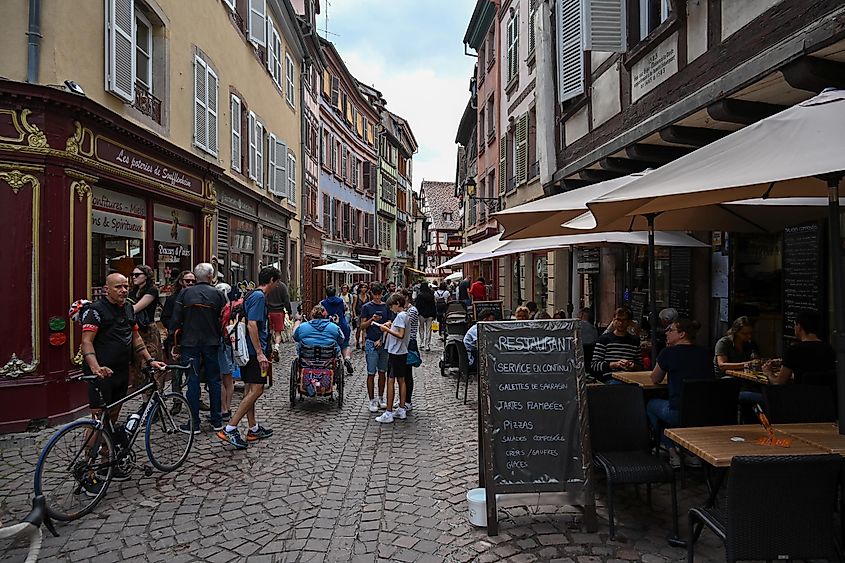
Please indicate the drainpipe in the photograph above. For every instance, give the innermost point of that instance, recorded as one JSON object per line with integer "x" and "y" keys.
{"x": 303, "y": 167}
{"x": 33, "y": 53}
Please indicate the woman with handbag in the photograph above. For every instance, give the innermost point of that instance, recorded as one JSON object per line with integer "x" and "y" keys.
{"x": 414, "y": 359}
{"x": 144, "y": 299}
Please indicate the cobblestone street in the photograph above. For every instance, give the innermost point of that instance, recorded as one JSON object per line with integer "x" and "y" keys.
{"x": 334, "y": 485}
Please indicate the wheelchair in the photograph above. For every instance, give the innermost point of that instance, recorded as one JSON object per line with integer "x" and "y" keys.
{"x": 317, "y": 371}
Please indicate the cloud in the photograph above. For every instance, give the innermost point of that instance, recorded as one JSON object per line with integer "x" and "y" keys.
{"x": 413, "y": 53}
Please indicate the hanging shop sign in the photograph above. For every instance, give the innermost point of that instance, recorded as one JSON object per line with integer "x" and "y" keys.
{"x": 113, "y": 153}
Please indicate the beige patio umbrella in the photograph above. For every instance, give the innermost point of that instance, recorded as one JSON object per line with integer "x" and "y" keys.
{"x": 795, "y": 153}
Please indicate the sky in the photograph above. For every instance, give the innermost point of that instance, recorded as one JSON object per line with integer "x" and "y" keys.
{"x": 412, "y": 51}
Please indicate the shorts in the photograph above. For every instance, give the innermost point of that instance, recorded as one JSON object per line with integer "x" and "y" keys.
{"x": 251, "y": 372}
{"x": 346, "y": 332}
{"x": 399, "y": 367}
{"x": 277, "y": 321}
{"x": 376, "y": 357}
{"x": 111, "y": 388}
{"x": 225, "y": 358}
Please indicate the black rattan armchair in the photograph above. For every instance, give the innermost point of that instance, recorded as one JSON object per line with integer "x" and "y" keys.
{"x": 778, "y": 507}
{"x": 620, "y": 443}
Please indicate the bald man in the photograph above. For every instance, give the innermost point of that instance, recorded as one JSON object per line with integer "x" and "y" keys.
{"x": 110, "y": 339}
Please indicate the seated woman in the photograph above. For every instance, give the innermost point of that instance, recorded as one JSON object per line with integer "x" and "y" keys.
{"x": 681, "y": 360}
{"x": 734, "y": 350}
{"x": 809, "y": 355}
{"x": 617, "y": 349}
{"x": 318, "y": 332}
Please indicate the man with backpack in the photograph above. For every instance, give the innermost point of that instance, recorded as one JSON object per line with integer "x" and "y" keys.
{"x": 254, "y": 373}
{"x": 197, "y": 318}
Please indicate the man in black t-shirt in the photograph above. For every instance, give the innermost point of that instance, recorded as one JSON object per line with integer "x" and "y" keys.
{"x": 809, "y": 355}
{"x": 109, "y": 339}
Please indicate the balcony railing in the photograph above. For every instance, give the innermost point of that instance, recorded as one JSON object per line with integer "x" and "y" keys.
{"x": 534, "y": 170}
{"x": 147, "y": 104}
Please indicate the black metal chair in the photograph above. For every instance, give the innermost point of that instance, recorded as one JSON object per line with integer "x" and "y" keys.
{"x": 778, "y": 507}
{"x": 465, "y": 371}
{"x": 620, "y": 444}
{"x": 709, "y": 402}
{"x": 795, "y": 402}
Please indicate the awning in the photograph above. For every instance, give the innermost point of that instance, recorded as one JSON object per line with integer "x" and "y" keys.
{"x": 368, "y": 258}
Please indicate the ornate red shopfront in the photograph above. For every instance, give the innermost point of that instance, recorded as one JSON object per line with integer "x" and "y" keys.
{"x": 82, "y": 192}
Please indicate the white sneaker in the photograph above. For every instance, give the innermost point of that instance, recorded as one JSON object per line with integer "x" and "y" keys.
{"x": 385, "y": 418}
{"x": 382, "y": 404}
{"x": 428, "y": 348}
{"x": 395, "y": 403}
{"x": 401, "y": 414}
{"x": 409, "y": 406}
{"x": 373, "y": 406}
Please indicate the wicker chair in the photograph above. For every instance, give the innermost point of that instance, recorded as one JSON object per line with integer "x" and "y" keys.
{"x": 778, "y": 507}
{"x": 799, "y": 403}
{"x": 620, "y": 444}
{"x": 709, "y": 402}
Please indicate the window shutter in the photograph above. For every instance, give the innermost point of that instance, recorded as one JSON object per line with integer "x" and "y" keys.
{"x": 257, "y": 22}
{"x": 252, "y": 148}
{"x": 271, "y": 164}
{"x": 360, "y": 125}
{"x": 120, "y": 72}
{"x": 211, "y": 105}
{"x": 503, "y": 165}
{"x": 291, "y": 173}
{"x": 604, "y": 26}
{"x": 200, "y": 103}
{"x": 259, "y": 153}
{"x": 270, "y": 54}
{"x": 235, "y": 117}
{"x": 570, "y": 50}
{"x": 327, "y": 84}
{"x": 522, "y": 149}
{"x": 532, "y": 29}
{"x": 281, "y": 169}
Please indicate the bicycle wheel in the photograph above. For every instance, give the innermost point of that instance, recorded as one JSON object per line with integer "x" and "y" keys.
{"x": 170, "y": 432}
{"x": 74, "y": 469}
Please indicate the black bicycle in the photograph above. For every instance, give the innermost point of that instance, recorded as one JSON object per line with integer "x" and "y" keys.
{"x": 80, "y": 460}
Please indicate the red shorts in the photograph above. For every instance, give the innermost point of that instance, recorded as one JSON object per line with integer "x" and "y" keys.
{"x": 277, "y": 321}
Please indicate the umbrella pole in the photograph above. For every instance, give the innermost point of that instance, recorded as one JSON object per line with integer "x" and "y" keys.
{"x": 569, "y": 283}
{"x": 652, "y": 290}
{"x": 838, "y": 304}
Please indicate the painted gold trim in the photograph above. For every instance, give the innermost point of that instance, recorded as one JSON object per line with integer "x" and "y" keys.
{"x": 36, "y": 137}
{"x": 82, "y": 189}
{"x": 77, "y": 175}
{"x": 16, "y": 124}
{"x": 16, "y": 367}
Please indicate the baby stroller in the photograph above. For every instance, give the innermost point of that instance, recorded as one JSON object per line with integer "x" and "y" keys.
{"x": 316, "y": 372}
{"x": 457, "y": 324}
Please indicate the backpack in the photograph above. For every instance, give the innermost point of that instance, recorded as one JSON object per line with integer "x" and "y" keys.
{"x": 234, "y": 310}
{"x": 233, "y": 321}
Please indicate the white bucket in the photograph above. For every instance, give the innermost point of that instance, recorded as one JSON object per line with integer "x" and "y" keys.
{"x": 477, "y": 501}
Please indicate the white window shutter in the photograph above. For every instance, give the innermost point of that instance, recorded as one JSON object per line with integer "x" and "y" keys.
{"x": 271, "y": 164}
{"x": 211, "y": 104}
{"x": 252, "y": 151}
{"x": 120, "y": 59}
{"x": 259, "y": 153}
{"x": 270, "y": 54}
{"x": 291, "y": 172}
{"x": 281, "y": 168}
{"x": 570, "y": 50}
{"x": 257, "y": 22}
{"x": 235, "y": 118}
{"x": 200, "y": 103}
{"x": 604, "y": 25}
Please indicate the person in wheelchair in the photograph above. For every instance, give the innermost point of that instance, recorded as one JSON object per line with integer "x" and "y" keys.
{"x": 471, "y": 338}
{"x": 319, "y": 331}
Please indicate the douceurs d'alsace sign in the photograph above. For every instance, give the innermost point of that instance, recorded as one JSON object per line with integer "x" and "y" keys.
{"x": 112, "y": 153}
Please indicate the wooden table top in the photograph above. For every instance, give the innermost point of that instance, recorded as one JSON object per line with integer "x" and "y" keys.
{"x": 713, "y": 444}
{"x": 823, "y": 435}
{"x": 641, "y": 378}
{"x": 755, "y": 376}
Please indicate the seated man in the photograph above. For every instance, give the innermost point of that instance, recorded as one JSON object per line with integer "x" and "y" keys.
{"x": 471, "y": 337}
{"x": 617, "y": 350}
{"x": 318, "y": 332}
{"x": 809, "y": 355}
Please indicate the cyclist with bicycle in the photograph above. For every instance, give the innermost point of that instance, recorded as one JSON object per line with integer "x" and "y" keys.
{"x": 110, "y": 338}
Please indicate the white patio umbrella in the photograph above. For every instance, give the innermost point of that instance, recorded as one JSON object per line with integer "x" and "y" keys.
{"x": 454, "y": 276}
{"x": 795, "y": 153}
{"x": 344, "y": 267}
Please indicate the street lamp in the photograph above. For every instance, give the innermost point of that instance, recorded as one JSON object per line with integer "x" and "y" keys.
{"x": 492, "y": 203}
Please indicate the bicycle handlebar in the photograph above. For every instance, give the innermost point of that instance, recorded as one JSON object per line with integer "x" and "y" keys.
{"x": 146, "y": 370}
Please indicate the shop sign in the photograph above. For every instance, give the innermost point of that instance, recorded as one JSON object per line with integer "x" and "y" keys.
{"x": 234, "y": 202}
{"x": 653, "y": 69}
{"x": 112, "y": 153}
{"x": 107, "y": 223}
{"x": 172, "y": 254}
{"x": 116, "y": 202}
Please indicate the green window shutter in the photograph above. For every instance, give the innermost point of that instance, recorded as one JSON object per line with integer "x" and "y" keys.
{"x": 503, "y": 164}
{"x": 522, "y": 150}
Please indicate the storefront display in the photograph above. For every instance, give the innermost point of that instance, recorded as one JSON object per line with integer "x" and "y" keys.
{"x": 241, "y": 250}
{"x": 118, "y": 228}
{"x": 174, "y": 243}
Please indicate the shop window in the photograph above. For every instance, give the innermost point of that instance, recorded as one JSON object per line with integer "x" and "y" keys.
{"x": 242, "y": 250}
{"x": 118, "y": 228}
{"x": 173, "y": 235}
{"x": 652, "y": 14}
{"x": 541, "y": 281}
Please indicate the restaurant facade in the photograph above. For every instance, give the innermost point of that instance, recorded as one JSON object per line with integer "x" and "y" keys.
{"x": 83, "y": 192}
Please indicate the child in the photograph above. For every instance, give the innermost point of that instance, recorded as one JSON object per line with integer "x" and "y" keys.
{"x": 397, "y": 349}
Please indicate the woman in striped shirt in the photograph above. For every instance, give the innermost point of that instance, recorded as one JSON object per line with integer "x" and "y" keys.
{"x": 617, "y": 350}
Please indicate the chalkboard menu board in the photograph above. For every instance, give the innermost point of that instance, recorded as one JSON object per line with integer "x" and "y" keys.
{"x": 637, "y": 302}
{"x": 680, "y": 272}
{"x": 803, "y": 279}
{"x": 533, "y": 410}
{"x": 481, "y": 308}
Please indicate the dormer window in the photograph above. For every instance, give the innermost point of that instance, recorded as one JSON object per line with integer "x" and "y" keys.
{"x": 447, "y": 216}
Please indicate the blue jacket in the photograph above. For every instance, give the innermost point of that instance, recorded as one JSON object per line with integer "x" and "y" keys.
{"x": 335, "y": 306}
{"x": 318, "y": 332}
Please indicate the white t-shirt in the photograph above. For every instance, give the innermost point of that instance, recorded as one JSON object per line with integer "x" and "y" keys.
{"x": 399, "y": 345}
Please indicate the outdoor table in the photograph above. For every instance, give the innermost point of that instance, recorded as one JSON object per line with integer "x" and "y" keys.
{"x": 754, "y": 376}
{"x": 823, "y": 435}
{"x": 641, "y": 378}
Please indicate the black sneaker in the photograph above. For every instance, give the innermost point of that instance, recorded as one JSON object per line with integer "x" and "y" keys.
{"x": 186, "y": 428}
{"x": 204, "y": 406}
{"x": 117, "y": 474}
{"x": 92, "y": 485}
{"x": 348, "y": 365}
{"x": 176, "y": 408}
{"x": 233, "y": 437}
{"x": 259, "y": 434}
